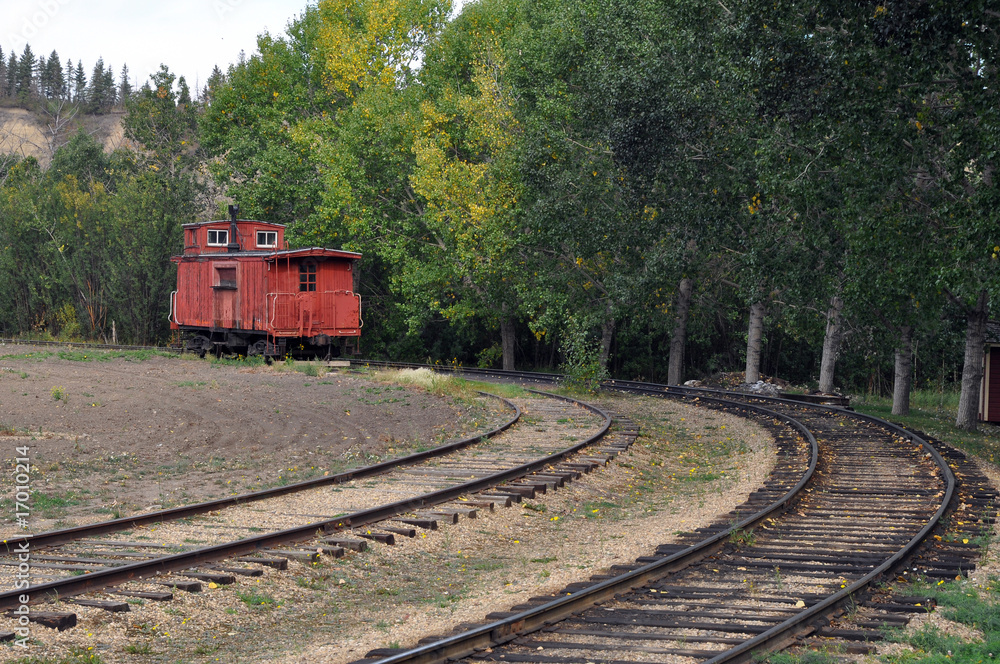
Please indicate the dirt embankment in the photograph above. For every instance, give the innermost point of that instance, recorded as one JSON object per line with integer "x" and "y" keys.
{"x": 39, "y": 135}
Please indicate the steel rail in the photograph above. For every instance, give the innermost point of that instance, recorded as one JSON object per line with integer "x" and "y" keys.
{"x": 81, "y": 344}
{"x": 508, "y": 629}
{"x": 778, "y": 636}
{"x": 784, "y": 633}
{"x": 181, "y": 561}
{"x": 56, "y": 537}
{"x": 503, "y": 631}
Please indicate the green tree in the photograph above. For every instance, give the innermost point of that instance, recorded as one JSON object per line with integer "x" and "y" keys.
{"x": 24, "y": 81}
{"x": 164, "y": 127}
{"x": 250, "y": 117}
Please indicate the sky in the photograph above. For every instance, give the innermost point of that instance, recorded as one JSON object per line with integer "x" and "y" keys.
{"x": 189, "y": 36}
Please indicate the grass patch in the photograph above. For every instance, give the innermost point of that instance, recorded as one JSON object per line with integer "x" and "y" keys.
{"x": 76, "y": 355}
{"x": 962, "y": 602}
{"x": 257, "y": 600}
{"x": 75, "y": 656}
{"x": 48, "y": 506}
{"x": 439, "y": 384}
{"x": 809, "y": 657}
{"x": 312, "y": 583}
{"x": 238, "y": 361}
{"x": 599, "y": 509}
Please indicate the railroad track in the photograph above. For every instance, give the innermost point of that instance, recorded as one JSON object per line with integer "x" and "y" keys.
{"x": 855, "y": 502}
{"x": 549, "y": 441}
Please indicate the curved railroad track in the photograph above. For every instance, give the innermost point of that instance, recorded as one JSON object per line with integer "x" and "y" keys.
{"x": 557, "y": 440}
{"x": 854, "y": 502}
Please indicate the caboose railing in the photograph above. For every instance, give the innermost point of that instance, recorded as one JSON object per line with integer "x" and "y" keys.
{"x": 304, "y": 313}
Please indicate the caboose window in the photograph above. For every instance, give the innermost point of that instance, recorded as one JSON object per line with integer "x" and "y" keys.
{"x": 267, "y": 238}
{"x": 307, "y": 277}
{"x": 226, "y": 277}
{"x": 218, "y": 238}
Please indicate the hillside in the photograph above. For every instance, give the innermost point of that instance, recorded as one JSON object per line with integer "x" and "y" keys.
{"x": 32, "y": 135}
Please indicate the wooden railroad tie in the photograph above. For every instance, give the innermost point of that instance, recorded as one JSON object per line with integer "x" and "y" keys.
{"x": 186, "y": 586}
{"x": 60, "y": 621}
{"x": 383, "y": 538}
{"x": 152, "y": 596}
{"x": 107, "y": 605}
{"x": 301, "y": 556}
{"x": 276, "y": 563}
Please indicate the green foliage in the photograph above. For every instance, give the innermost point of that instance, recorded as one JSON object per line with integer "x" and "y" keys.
{"x": 255, "y": 599}
{"x": 974, "y": 606}
{"x": 85, "y": 245}
{"x": 807, "y": 657}
{"x": 582, "y": 365}
{"x": 69, "y": 326}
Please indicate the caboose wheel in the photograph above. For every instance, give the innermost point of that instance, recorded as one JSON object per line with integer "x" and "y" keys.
{"x": 258, "y": 348}
{"x": 198, "y": 344}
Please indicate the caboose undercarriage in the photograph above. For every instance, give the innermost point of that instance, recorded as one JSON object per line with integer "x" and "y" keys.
{"x": 253, "y": 343}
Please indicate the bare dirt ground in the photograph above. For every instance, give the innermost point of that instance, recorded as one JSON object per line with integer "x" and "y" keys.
{"x": 111, "y": 434}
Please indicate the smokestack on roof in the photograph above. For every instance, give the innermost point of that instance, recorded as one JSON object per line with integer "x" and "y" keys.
{"x": 234, "y": 244}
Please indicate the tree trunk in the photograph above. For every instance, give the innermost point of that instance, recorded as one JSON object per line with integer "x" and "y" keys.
{"x": 607, "y": 334}
{"x": 754, "y": 335}
{"x": 972, "y": 370}
{"x": 904, "y": 372}
{"x": 675, "y": 369}
{"x": 831, "y": 345}
{"x": 507, "y": 339}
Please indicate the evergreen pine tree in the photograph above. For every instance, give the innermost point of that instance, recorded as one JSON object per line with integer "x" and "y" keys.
{"x": 110, "y": 90}
{"x": 215, "y": 81}
{"x": 54, "y": 83}
{"x": 25, "y": 75}
{"x": 95, "y": 91}
{"x": 12, "y": 75}
{"x": 79, "y": 84}
{"x": 40, "y": 79}
{"x": 124, "y": 87}
{"x": 3, "y": 75}
{"x": 69, "y": 72}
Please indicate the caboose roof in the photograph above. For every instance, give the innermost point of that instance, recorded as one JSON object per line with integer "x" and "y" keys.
{"x": 310, "y": 252}
{"x": 993, "y": 332}
{"x": 199, "y": 224}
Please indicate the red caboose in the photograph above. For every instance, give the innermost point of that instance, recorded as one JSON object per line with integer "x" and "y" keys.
{"x": 241, "y": 290}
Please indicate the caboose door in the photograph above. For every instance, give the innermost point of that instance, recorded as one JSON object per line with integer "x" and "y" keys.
{"x": 225, "y": 302}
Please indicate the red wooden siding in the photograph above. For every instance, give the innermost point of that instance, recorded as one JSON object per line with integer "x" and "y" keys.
{"x": 991, "y": 399}
{"x": 202, "y": 301}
